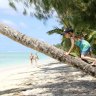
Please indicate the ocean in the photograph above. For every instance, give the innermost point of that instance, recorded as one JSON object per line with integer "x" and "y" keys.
{"x": 18, "y": 58}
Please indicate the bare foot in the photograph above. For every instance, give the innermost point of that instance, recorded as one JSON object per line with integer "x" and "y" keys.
{"x": 94, "y": 63}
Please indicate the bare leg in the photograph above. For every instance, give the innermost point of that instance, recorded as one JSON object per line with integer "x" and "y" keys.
{"x": 89, "y": 58}
{"x": 31, "y": 60}
{"x": 94, "y": 63}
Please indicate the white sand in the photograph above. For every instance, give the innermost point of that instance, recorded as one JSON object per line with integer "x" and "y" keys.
{"x": 12, "y": 76}
{"x": 47, "y": 78}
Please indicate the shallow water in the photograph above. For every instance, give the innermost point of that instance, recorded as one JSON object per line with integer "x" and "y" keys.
{"x": 11, "y": 58}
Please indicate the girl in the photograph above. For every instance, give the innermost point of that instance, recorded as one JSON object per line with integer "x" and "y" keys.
{"x": 85, "y": 47}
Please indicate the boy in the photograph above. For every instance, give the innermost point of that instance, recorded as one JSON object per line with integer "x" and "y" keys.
{"x": 84, "y": 46}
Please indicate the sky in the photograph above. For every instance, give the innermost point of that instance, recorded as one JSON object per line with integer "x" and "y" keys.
{"x": 30, "y": 26}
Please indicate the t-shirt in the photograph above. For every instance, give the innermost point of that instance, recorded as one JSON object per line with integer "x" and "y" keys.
{"x": 83, "y": 45}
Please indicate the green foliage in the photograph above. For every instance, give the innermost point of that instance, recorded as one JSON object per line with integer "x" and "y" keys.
{"x": 58, "y": 46}
{"x": 78, "y": 14}
{"x": 25, "y": 12}
{"x": 94, "y": 48}
{"x": 12, "y": 5}
{"x": 56, "y": 30}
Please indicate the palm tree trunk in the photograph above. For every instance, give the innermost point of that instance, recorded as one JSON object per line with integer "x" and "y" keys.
{"x": 46, "y": 49}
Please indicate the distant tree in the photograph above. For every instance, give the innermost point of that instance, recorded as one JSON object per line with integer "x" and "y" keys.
{"x": 78, "y": 14}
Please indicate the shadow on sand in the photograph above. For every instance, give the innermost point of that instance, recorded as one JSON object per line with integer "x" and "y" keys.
{"x": 64, "y": 87}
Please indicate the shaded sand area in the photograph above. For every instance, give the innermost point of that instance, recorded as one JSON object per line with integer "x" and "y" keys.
{"x": 51, "y": 78}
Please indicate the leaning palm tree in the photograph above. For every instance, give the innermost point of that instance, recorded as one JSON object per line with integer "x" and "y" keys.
{"x": 45, "y": 48}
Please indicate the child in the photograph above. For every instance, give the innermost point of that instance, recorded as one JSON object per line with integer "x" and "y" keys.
{"x": 33, "y": 58}
{"x": 84, "y": 46}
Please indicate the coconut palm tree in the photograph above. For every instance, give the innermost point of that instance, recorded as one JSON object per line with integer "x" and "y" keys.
{"x": 80, "y": 14}
{"x": 47, "y": 49}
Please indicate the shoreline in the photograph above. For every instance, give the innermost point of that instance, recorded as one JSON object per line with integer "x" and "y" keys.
{"x": 6, "y": 72}
{"x": 47, "y": 78}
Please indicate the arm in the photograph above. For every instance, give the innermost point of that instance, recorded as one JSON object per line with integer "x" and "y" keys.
{"x": 72, "y": 46}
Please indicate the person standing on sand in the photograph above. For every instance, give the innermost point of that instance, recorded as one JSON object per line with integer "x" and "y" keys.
{"x": 34, "y": 58}
{"x": 31, "y": 58}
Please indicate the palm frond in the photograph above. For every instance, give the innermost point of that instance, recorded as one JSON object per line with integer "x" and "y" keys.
{"x": 92, "y": 35}
{"x": 56, "y": 30}
{"x": 12, "y": 5}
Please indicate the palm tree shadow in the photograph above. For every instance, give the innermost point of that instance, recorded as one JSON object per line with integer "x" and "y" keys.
{"x": 79, "y": 88}
{"x": 13, "y": 90}
{"x": 61, "y": 69}
{"x": 64, "y": 86}
{"x": 68, "y": 87}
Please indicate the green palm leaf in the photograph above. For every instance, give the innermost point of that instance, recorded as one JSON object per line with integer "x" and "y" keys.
{"x": 56, "y": 30}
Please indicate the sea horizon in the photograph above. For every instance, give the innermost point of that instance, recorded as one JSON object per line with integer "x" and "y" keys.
{"x": 9, "y": 58}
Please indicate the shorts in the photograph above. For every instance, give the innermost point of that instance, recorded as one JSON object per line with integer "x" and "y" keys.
{"x": 86, "y": 52}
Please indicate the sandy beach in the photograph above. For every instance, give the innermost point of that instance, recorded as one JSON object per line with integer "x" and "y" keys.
{"x": 48, "y": 78}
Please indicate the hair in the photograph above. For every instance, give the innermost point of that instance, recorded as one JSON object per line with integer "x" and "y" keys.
{"x": 71, "y": 30}
{"x": 78, "y": 36}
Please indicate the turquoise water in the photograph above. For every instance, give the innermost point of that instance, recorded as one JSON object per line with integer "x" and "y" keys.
{"x": 12, "y": 58}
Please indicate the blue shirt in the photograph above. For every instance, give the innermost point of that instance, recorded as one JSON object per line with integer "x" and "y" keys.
{"x": 83, "y": 45}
